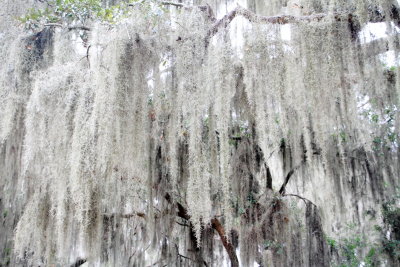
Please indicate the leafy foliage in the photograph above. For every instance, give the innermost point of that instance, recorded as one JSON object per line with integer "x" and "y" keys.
{"x": 349, "y": 248}
{"x": 78, "y": 11}
{"x": 385, "y": 135}
{"x": 274, "y": 245}
{"x": 391, "y": 230}
{"x": 5, "y": 261}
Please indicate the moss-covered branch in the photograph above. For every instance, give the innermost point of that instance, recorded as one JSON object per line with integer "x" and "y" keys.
{"x": 375, "y": 16}
{"x": 217, "y": 226}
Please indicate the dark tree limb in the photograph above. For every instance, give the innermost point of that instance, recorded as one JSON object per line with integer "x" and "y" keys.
{"x": 126, "y": 216}
{"x": 228, "y": 246}
{"x": 137, "y": 214}
{"x": 217, "y": 226}
{"x": 78, "y": 262}
{"x": 53, "y": 25}
{"x": 183, "y": 224}
{"x": 269, "y": 177}
{"x": 180, "y": 5}
{"x": 302, "y": 198}
{"x": 169, "y": 3}
{"x": 83, "y": 28}
{"x": 287, "y": 178}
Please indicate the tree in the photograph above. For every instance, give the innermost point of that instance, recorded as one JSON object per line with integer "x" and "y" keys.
{"x": 187, "y": 138}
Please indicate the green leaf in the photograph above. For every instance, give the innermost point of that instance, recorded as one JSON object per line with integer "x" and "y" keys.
{"x": 375, "y": 118}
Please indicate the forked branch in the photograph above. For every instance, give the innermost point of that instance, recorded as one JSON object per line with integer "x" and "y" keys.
{"x": 217, "y": 226}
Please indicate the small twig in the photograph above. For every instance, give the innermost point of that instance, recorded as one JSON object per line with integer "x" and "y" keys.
{"x": 205, "y": 8}
{"x": 138, "y": 214}
{"x": 83, "y": 28}
{"x": 53, "y": 25}
{"x": 302, "y": 198}
{"x": 183, "y": 224}
{"x": 180, "y": 255}
{"x": 270, "y": 154}
{"x": 127, "y": 216}
{"x": 180, "y": 5}
{"x": 87, "y": 55}
{"x": 168, "y": 3}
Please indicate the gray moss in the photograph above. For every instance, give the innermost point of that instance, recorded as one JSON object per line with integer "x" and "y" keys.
{"x": 125, "y": 152}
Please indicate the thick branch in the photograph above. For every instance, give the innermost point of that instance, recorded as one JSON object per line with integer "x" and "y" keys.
{"x": 216, "y": 225}
{"x": 182, "y": 212}
{"x": 228, "y": 246}
{"x": 375, "y": 16}
{"x": 252, "y": 17}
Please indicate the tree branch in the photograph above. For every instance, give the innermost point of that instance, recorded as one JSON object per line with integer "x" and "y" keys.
{"x": 83, "y": 28}
{"x": 168, "y": 3}
{"x": 252, "y": 17}
{"x": 53, "y": 25}
{"x": 302, "y": 198}
{"x": 138, "y": 214}
{"x": 288, "y": 176}
{"x": 182, "y": 256}
{"x": 228, "y": 246}
{"x": 205, "y": 8}
{"x": 126, "y": 216}
{"x": 78, "y": 262}
{"x": 216, "y": 225}
{"x": 375, "y": 16}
